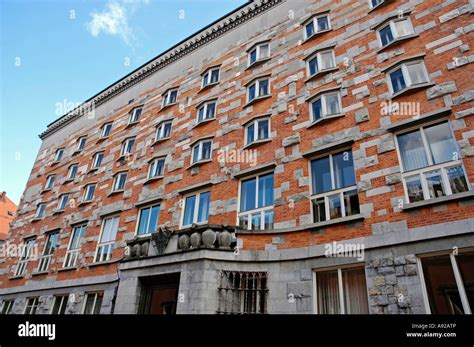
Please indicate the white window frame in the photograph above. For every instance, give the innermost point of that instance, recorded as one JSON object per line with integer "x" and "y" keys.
{"x": 256, "y": 124}
{"x": 49, "y": 185}
{"x": 406, "y": 75}
{"x": 59, "y": 154}
{"x": 324, "y": 108}
{"x": 207, "y": 76}
{"x": 87, "y": 189}
{"x": 107, "y": 247}
{"x": 315, "y": 20}
{"x": 61, "y": 202}
{"x": 204, "y": 106}
{"x": 442, "y": 167}
{"x": 116, "y": 181}
{"x": 72, "y": 254}
{"x": 155, "y": 163}
{"x": 160, "y": 130}
{"x": 333, "y": 190}
{"x": 393, "y": 30}
{"x": 167, "y": 97}
{"x": 39, "y": 209}
{"x": 340, "y": 284}
{"x": 70, "y": 171}
{"x": 132, "y": 117}
{"x": 148, "y": 222}
{"x": 96, "y": 295}
{"x": 95, "y": 159}
{"x": 103, "y": 131}
{"x": 64, "y": 301}
{"x": 200, "y": 144}
{"x": 260, "y": 210}
{"x": 256, "y": 83}
{"x": 34, "y": 305}
{"x": 318, "y": 55}
{"x": 124, "y": 149}
{"x": 371, "y": 6}
{"x": 7, "y": 306}
{"x": 44, "y": 260}
{"x": 258, "y": 49}
{"x": 81, "y": 142}
{"x": 196, "y": 207}
{"x": 22, "y": 264}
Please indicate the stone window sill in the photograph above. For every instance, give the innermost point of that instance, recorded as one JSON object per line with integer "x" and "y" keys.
{"x": 36, "y": 219}
{"x": 116, "y": 192}
{"x": 208, "y": 86}
{"x": 46, "y": 190}
{"x": 70, "y": 268}
{"x": 325, "y": 119}
{"x": 411, "y": 89}
{"x": 257, "y": 99}
{"x": 158, "y": 141}
{"x": 316, "y": 34}
{"x": 153, "y": 179}
{"x": 320, "y": 74}
{"x": 199, "y": 163}
{"x": 164, "y": 107}
{"x": 440, "y": 200}
{"x": 58, "y": 211}
{"x": 395, "y": 42}
{"x": 108, "y": 262}
{"x": 38, "y": 273}
{"x": 257, "y": 63}
{"x": 100, "y": 139}
{"x": 16, "y": 277}
{"x": 204, "y": 121}
{"x": 256, "y": 143}
{"x": 83, "y": 203}
{"x": 67, "y": 180}
{"x": 131, "y": 124}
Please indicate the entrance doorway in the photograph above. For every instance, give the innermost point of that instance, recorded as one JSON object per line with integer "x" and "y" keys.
{"x": 159, "y": 294}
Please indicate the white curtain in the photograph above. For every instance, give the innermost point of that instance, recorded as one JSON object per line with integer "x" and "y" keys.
{"x": 328, "y": 292}
{"x": 355, "y": 291}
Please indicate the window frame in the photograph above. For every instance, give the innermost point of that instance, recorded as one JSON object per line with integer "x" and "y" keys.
{"x": 391, "y": 25}
{"x": 96, "y": 295}
{"x": 151, "y": 206}
{"x": 207, "y": 77}
{"x": 74, "y": 251}
{"x": 116, "y": 181}
{"x": 103, "y": 130}
{"x": 197, "y": 201}
{"x": 431, "y": 167}
{"x": 124, "y": 147}
{"x": 261, "y": 210}
{"x": 155, "y": 162}
{"x": 49, "y": 185}
{"x": 110, "y": 245}
{"x": 200, "y": 143}
{"x": 204, "y": 106}
{"x": 255, "y": 123}
{"x": 61, "y": 202}
{"x": 372, "y": 6}
{"x": 318, "y": 55}
{"x": 87, "y": 188}
{"x": 256, "y": 83}
{"x": 324, "y": 106}
{"x": 22, "y": 264}
{"x": 94, "y": 159}
{"x": 160, "y": 130}
{"x": 43, "y": 210}
{"x": 132, "y": 115}
{"x": 7, "y": 306}
{"x": 70, "y": 171}
{"x": 314, "y": 20}
{"x": 257, "y": 48}
{"x": 81, "y": 143}
{"x": 60, "y": 297}
{"x": 33, "y": 307}
{"x": 406, "y": 76}
{"x": 59, "y": 153}
{"x": 167, "y": 97}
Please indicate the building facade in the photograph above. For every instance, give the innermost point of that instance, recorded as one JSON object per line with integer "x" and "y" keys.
{"x": 7, "y": 212}
{"x": 292, "y": 157}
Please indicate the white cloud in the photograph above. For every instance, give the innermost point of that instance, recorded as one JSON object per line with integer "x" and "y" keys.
{"x": 113, "y": 20}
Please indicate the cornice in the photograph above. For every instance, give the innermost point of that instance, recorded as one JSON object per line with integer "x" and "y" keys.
{"x": 185, "y": 47}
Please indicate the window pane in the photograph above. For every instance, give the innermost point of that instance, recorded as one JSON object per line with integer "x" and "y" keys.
{"x": 268, "y": 220}
{"x": 250, "y": 133}
{"x": 252, "y": 90}
{"x": 253, "y": 56}
{"x": 248, "y": 194}
{"x": 416, "y": 73}
{"x": 206, "y": 150}
{"x": 343, "y": 170}
{"x": 211, "y": 108}
{"x": 155, "y": 213}
{"x": 196, "y": 153}
{"x": 435, "y": 184}
{"x": 167, "y": 130}
{"x": 89, "y": 304}
{"x": 414, "y": 189}
{"x": 465, "y": 263}
{"x": 214, "y": 76}
{"x": 256, "y": 221}
{"x": 144, "y": 217}
{"x": 412, "y": 151}
{"x": 201, "y": 114}
{"x": 77, "y": 236}
{"x": 442, "y": 144}
{"x": 386, "y": 35}
{"x": 263, "y": 129}
{"x": 397, "y": 80}
{"x": 335, "y": 210}
{"x": 313, "y": 66}
{"x": 309, "y": 29}
{"x": 244, "y": 222}
{"x": 332, "y": 104}
{"x": 403, "y": 28}
{"x": 355, "y": 291}
{"x": 443, "y": 294}
{"x": 264, "y": 51}
{"x": 323, "y": 23}
{"x": 317, "y": 109}
{"x": 351, "y": 202}
{"x": 321, "y": 173}
{"x": 457, "y": 180}
{"x": 263, "y": 88}
{"x": 265, "y": 190}
{"x": 189, "y": 210}
{"x": 203, "y": 212}
{"x": 319, "y": 210}
{"x": 326, "y": 60}
{"x": 328, "y": 292}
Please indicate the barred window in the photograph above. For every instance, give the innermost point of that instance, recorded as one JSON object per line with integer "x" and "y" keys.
{"x": 242, "y": 292}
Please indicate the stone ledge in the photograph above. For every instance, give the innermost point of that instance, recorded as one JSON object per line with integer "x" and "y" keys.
{"x": 424, "y": 118}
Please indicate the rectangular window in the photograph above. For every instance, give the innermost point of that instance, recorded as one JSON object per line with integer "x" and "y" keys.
{"x": 320, "y": 62}
{"x": 93, "y": 303}
{"x": 170, "y": 97}
{"x": 97, "y": 160}
{"x": 242, "y": 292}
{"x": 326, "y": 105}
{"x": 31, "y": 305}
{"x": 258, "y": 53}
{"x": 106, "y": 129}
{"x": 317, "y": 25}
{"x": 127, "y": 147}
{"x": 7, "y": 306}
{"x": 52, "y": 243}
{"x": 163, "y": 131}
{"x": 74, "y": 248}
{"x": 26, "y": 251}
{"x": 431, "y": 163}
{"x": 375, "y": 3}
{"x": 148, "y": 220}
{"x": 256, "y": 203}
{"x": 259, "y": 88}
{"x": 40, "y": 210}
{"x": 449, "y": 282}
{"x": 407, "y": 75}
{"x": 206, "y": 111}
{"x": 334, "y": 189}
{"x": 60, "y": 304}
{"x": 341, "y": 291}
{"x": 50, "y": 181}
{"x": 119, "y": 182}
{"x": 72, "y": 172}
{"x": 134, "y": 115}
{"x": 81, "y": 143}
{"x": 202, "y": 151}
{"x": 89, "y": 192}
{"x": 395, "y": 30}
{"x": 196, "y": 208}
{"x": 156, "y": 168}
{"x": 62, "y": 203}
{"x": 107, "y": 239}
{"x": 258, "y": 130}
{"x": 210, "y": 77}
{"x": 59, "y": 154}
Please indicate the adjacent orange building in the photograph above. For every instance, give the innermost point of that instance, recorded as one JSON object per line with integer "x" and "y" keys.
{"x": 7, "y": 212}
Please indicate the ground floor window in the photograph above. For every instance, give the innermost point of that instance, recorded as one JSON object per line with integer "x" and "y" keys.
{"x": 60, "y": 304}
{"x": 341, "y": 291}
{"x": 242, "y": 292}
{"x": 7, "y": 306}
{"x": 93, "y": 303}
{"x": 449, "y": 282}
{"x": 159, "y": 294}
{"x": 31, "y": 305}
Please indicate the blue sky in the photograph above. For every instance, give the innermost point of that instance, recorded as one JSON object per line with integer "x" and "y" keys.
{"x": 58, "y": 53}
